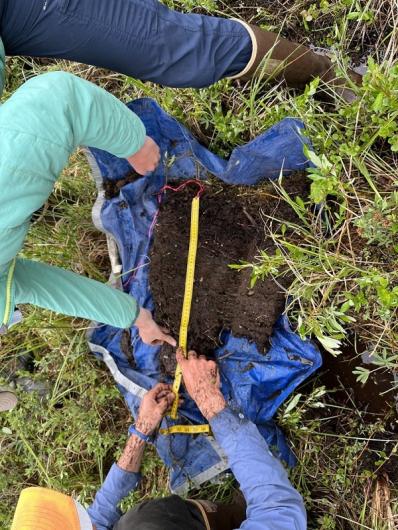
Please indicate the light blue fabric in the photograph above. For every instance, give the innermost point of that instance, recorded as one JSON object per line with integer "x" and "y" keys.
{"x": 252, "y": 383}
{"x": 272, "y": 502}
{"x": 104, "y": 512}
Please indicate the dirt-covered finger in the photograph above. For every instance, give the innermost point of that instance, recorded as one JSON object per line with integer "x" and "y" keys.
{"x": 180, "y": 357}
{"x": 212, "y": 366}
{"x": 166, "y": 402}
{"x": 160, "y": 390}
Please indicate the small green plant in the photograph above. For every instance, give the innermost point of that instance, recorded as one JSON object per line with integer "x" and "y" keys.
{"x": 267, "y": 266}
{"x": 379, "y": 222}
{"x": 294, "y": 411}
{"x": 381, "y": 361}
{"x": 325, "y": 177}
{"x": 191, "y": 5}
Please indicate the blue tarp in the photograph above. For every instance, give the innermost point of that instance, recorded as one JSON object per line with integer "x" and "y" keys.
{"x": 254, "y": 384}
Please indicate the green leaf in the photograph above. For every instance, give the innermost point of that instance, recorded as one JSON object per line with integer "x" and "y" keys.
{"x": 292, "y": 404}
{"x": 330, "y": 344}
{"x": 362, "y": 374}
{"x": 378, "y": 102}
{"x": 312, "y": 156}
{"x": 300, "y": 203}
{"x": 6, "y": 430}
{"x": 354, "y": 15}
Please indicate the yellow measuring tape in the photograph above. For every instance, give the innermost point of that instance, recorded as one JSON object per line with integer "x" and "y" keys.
{"x": 186, "y": 307}
{"x": 186, "y": 313}
{"x": 9, "y": 306}
{"x": 186, "y": 429}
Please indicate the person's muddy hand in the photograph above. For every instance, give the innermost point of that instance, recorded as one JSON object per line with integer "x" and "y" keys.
{"x": 202, "y": 381}
{"x": 147, "y": 158}
{"x": 150, "y": 332}
{"x": 153, "y": 408}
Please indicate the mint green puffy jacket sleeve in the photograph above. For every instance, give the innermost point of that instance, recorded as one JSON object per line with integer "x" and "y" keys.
{"x": 72, "y": 294}
{"x": 40, "y": 126}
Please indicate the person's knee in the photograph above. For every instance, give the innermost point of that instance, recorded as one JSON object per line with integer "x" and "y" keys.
{"x": 54, "y": 80}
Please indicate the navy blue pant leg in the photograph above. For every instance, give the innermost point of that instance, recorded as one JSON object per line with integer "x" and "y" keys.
{"x": 140, "y": 38}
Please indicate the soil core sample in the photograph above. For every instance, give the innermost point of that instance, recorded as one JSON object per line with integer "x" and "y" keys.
{"x": 232, "y": 229}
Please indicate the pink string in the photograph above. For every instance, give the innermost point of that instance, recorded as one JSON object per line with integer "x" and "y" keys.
{"x": 183, "y": 185}
{"x": 155, "y": 217}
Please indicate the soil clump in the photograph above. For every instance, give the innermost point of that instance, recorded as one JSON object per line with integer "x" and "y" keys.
{"x": 233, "y": 229}
{"x": 113, "y": 187}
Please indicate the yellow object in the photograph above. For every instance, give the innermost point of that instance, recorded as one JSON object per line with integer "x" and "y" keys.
{"x": 45, "y": 509}
{"x": 9, "y": 306}
{"x": 186, "y": 429}
{"x": 186, "y": 313}
{"x": 186, "y": 308}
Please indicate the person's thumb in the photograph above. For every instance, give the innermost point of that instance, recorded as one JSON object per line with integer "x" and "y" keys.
{"x": 169, "y": 339}
{"x": 170, "y": 398}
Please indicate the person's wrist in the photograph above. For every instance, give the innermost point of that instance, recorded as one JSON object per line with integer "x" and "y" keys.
{"x": 136, "y": 315}
{"x": 135, "y": 442}
{"x": 144, "y": 427}
{"x": 140, "y": 317}
{"x": 144, "y": 318}
{"x": 212, "y": 404}
{"x": 138, "y": 148}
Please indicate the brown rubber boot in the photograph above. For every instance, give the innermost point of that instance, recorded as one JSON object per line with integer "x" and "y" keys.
{"x": 278, "y": 58}
{"x": 219, "y": 516}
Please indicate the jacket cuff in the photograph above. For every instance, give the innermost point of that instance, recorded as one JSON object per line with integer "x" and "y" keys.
{"x": 126, "y": 480}
{"x": 137, "y": 312}
{"x": 226, "y": 422}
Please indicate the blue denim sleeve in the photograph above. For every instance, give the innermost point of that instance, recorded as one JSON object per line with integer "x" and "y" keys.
{"x": 104, "y": 512}
{"x": 272, "y": 502}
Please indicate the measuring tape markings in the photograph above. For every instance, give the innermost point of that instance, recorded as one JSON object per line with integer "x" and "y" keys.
{"x": 185, "y": 317}
{"x": 186, "y": 429}
{"x": 186, "y": 308}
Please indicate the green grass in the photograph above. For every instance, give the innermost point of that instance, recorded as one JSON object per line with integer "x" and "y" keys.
{"x": 344, "y": 264}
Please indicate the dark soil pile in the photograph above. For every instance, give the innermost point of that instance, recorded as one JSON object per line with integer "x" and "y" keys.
{"x": 374, "y": 396}
{"x": 113, "y": 187}
{"x": 232, "y": 229}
